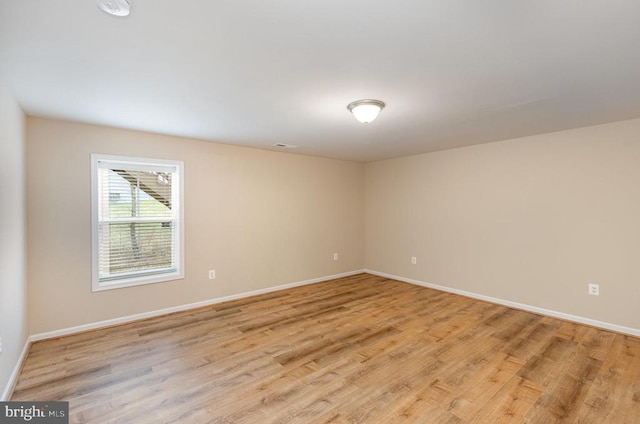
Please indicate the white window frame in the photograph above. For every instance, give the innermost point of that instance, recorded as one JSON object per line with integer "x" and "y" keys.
{"x": 129, "y": 280}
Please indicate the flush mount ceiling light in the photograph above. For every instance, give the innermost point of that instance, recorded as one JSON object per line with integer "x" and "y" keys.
{"x": 366, "y": 111}
{"x": 115, "y": 7}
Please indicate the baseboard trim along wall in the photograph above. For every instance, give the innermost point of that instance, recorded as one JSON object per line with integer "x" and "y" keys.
{"x": 540, "y": 311}
{"x": 130, "y": 318}
{"x": 180, "y": 308}
{"x": 13, "y": 378}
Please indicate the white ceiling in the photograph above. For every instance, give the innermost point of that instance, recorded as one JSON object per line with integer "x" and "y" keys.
{"x": 259, "y": 72}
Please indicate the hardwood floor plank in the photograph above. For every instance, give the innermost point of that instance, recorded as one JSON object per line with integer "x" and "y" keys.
{"x": 360, "y": 349}
{"x": 511, "y": 404}
{"x": 482, "y": 386}
{"x": 615, "y": 393}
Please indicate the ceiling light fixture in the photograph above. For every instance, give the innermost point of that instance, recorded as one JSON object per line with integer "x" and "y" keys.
{"x": 115, "y": 7}
{"x": 366, "y": 111}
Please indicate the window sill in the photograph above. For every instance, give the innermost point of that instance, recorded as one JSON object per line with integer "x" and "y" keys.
{"x": 135, "y": 281}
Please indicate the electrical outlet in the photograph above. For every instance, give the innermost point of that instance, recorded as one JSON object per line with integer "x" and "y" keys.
{"x": 212, "y": 274}
{"x": 594, "y": 289}
{"x": 414, "y": 260}
{"x": 335, "y": 256}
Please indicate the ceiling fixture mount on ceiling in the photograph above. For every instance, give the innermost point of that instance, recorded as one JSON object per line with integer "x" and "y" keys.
{"x": 115, "y": 7}
{"x": 367, "y": 110}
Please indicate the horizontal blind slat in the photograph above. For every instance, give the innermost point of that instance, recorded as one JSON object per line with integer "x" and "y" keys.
{"x": 136, "y": 220}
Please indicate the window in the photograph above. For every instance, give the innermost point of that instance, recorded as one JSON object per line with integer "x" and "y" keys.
{"x": 137, "y": 221}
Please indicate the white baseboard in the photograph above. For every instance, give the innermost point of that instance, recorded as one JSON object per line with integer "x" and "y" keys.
{"x": 13, "y": 379}
{"x": 122, "y": 320}
{"x": 541, "y": 311}
{"x": 180, "y": 308}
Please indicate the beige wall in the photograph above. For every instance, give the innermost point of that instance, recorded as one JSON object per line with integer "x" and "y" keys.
{"x": 259, "y": 218}
{"x": 531, "y": 220}
{"x": 13, "y": 280}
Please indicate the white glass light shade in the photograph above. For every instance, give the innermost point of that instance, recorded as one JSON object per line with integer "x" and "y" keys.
{"x": 115, "y": 7}
{"x": 366, "y": 111}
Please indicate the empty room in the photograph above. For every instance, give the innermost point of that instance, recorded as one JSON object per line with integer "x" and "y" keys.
{"x": 319, "y": 212}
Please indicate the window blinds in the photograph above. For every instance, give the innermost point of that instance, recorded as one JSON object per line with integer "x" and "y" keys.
{"x": 136, "y": 220}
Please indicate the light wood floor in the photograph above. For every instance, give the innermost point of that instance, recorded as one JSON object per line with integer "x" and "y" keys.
{"x": 362, "y": 349}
